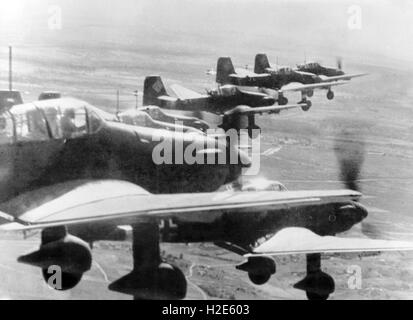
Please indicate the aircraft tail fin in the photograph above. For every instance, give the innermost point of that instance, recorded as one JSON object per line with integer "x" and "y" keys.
{"x": 224, "y": 69}
{"x": 261, "y": 63}
{"x": 152, "y": 89}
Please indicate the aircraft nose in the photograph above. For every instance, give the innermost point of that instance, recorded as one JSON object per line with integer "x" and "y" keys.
{"x": 352, "y": 214}
{"x": 361, "y": 210}
{"x": 269, "y": 101}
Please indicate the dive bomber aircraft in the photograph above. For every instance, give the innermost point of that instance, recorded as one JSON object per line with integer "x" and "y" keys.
{"x": 78, "y": 178}
{"x": 216, "y": 101}
{"x": 275, "y": 84}
{"x": 308, "y": 73}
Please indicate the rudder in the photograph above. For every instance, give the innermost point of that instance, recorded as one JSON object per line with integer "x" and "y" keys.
{"x": 152, "y": 89}
{"x": 224, "y": 69}
{"x": 261, "y": 63}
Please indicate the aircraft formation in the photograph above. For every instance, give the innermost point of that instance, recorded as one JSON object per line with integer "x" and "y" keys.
{"x": 56, "y": 150}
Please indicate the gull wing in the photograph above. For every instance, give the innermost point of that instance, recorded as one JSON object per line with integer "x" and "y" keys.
{"x": 185, "y": 94}
{"x": 269, "y": 110}
{"x": 303, "y": 87}
{"x": 303, "y": 241}
{"x": 342, "y": 77}
{"x": 122, "y": 203}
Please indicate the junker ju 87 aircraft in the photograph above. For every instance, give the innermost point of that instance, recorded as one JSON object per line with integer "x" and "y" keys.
{"x": 308, "y": 73}
{"x": 238, "y": 107}
{"x": 327, "y": 73}
{"x": 78, "y": 178}
{"x": 270, "y": 82}
{"x": 216, "y": 101}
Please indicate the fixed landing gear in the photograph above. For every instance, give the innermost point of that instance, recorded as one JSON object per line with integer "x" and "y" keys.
{"x": 317, "y": 284}
{"x": 67, "y": 280}
{"x": 260, "y": 269}
{"x": 330, "y": 95}
{"x": 163, "y": 282}
{"x": 150, "y": 278}
{"x": 282, "y": 101}
{"x": 62, "y": 257}
{"x": 259, "y": 278}
{"x": 307, "y": 104}
{"x": 310, "y": 93}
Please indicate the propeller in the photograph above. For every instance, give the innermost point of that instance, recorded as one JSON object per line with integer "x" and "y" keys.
{"x": 350, "y": 151}
{"x": 339, "y": 63}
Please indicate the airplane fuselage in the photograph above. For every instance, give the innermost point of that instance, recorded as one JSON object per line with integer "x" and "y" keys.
{"x": 320, "y": 70}
{"x": 267, "y": 81}
{"x": 273, "y": 80}
{"x": 109, "y": 150}
{"x": 217, "y": 103}
{"x": 112, "y": 151}
{"x": 116, "y": 152}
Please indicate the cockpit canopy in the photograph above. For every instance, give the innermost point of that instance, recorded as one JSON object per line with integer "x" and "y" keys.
{"x": 285, "y": 70}
{"x": 154, "y": 112}
{"x": 312, "y": 65}
{"x": 136, "y": 118}
{"x": 227, "y": 90}
{"x": 49, "y": 119}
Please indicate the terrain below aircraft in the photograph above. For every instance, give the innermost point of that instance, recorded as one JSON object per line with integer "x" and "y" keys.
{"x": 271, "y": 83}
{"x": 78, "y": 178}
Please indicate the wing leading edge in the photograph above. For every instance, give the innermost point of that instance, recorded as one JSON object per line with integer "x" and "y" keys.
{"x": 302, "y": 87}
{"x": 303, "y": 241}
{"x": 121, "y": 203}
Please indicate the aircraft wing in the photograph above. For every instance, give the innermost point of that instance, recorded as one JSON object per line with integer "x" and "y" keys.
{"x": 342, "y": 77}
{"x": 302, "y": 87}
{"x": 117, "y": 203}
{"x": 185, "y": 94}
{"x": 270, "y": 109}
{"x": 303, "y": 241}
{"x": 242, "y": 73}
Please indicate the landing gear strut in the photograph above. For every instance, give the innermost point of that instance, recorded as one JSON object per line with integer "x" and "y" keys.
{"x": 150, "y": 278}
{"x": 282, "y": 101}
{"x": 330, "y": 95}
{"x": 317, "y": 284}
{"x": 307, "y": 104}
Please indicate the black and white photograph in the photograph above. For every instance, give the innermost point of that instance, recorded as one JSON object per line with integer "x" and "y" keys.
{"x": 206, "y": 150}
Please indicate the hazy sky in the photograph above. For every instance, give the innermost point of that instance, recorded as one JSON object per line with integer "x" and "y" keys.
{"x": 297, "y": 26}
